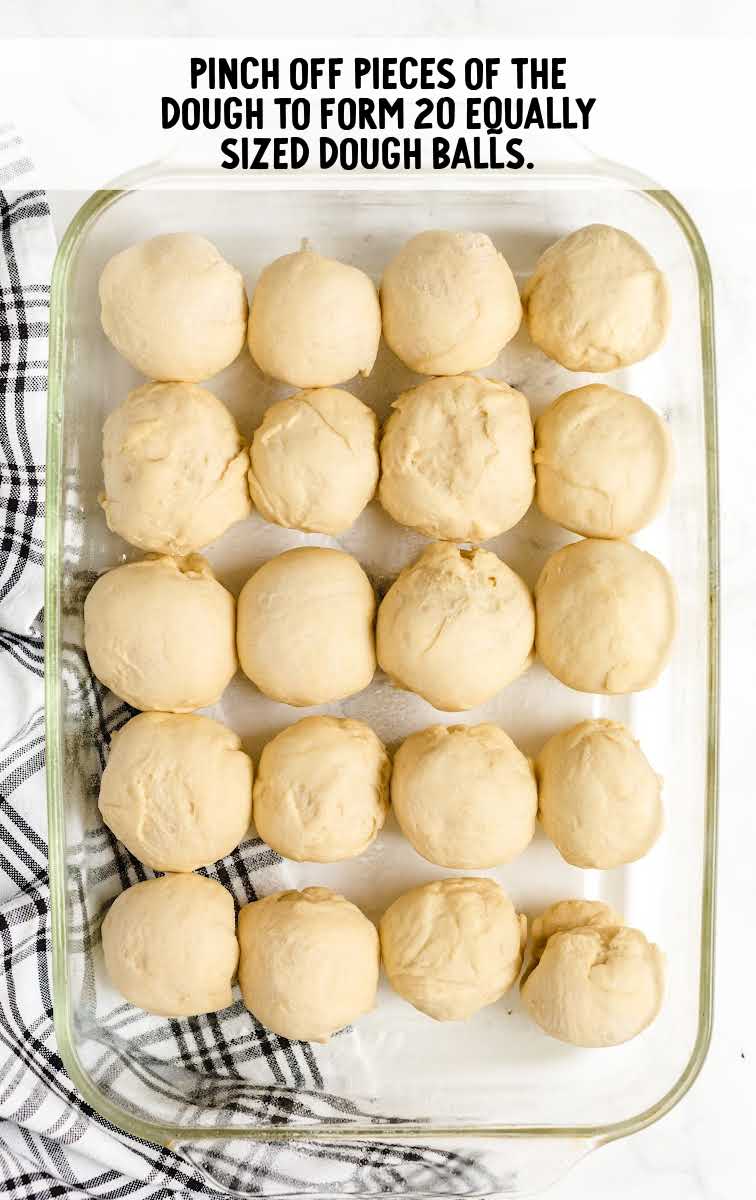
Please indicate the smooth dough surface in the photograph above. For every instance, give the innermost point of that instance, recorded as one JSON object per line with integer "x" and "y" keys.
{"x": 309, "y": 963}
{"x": 305, "y": 627}
{"x": 322, "y": 789}
{"x": 457, "y": 458}
{"x": 450, "y": 302}
{"x": 606, "y": 616}
{"x": 177, "y": 790}
{"x": 464, "y": 795}
{"x": 597, "y": 301}
{"x": 160, "y": 633}
{"x": 456, "y": 627}
{"x": 174, "y": 308}
{"x": 314, "y": 322}
{"x": 452, "y": 946}
{"x": 314, "y": 461}
{"x": 170, "y": 945}
{"x": 603, "y": 462}
{"x": 599, "y": 800}
{"x": 175, "y": 469}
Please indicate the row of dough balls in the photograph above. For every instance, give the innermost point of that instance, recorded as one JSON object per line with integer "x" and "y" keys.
{"x": 308, "y": 962}
{"x": 455, "y": 461}
{"x": 455, "y": 627}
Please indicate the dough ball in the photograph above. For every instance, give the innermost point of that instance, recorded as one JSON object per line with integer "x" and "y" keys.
{"x": 177, "y": 790}
{"x": 450, "y": 302}
{"x": 314, "y": 322}
{"x": 170, "y": 945}
{"x": 606, "y": 616}
{"x": 603, "y": 462}
{"x": 309, "y": 963}
{"x": 566, "y": 915}
{"x": 457, "y": 458}
{"x": 452, "y": 946}
{"x": 599, "y": 800}
{"x": 456, "y": 627}
{"x": 597, "y": 301}
{"x": 322, "y": 789}
{"x": 173, "y": 307}
{"x": 160, "y": 633}
{"x": 175, "y": 469}
{"x": 464, "y": 795}
{"x": 595, "y": 984}
{"x": 314, "y": 461}
{"x": 305, "y": 627}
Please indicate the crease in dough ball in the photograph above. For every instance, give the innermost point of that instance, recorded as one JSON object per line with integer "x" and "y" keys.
{"x": 455, "y": 627}
{"x": 457, "y": 458}
{"x": 606, "y": 614}
{"x": 599, "y": 800}
{"x": 160, "y": 633}
{"x": 175, "y": 469}
{"x": 453, "y": 946}
{"x": 174, "y": 308}
{"x": 177, "y": 790}
{"x": 565, "y": 915}
{"x": 322, "y": 789}
{"x": 597, "y": 301}
{"x": 450, "y": 302}
{"x": 309, "y": 963}
{"x": 464, "y": 795}
{"x": 314, "y": 322}
{"x": 314, "y": 461}
{"x": 603, "y": 462}
{"x": 305, "y": 627}
{"x": 170, "y": 945}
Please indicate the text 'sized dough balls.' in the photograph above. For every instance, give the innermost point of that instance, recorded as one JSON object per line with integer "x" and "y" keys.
{"x": 170, "y": 945}
{"x": 606, "y": 616}
{"x": 457, "y": 458}
{"x": 597, "y": 301}
{"x": 314, "y": 461}
{"x": 603, "y": 462}
{"x": 450, "y": 302}
{"x": 305, "y": 627}
{"x": 464, "y": 795}
{"x": 174, "y": 308}
{"x": 309, "y": 963}
{"x": 456, "y": 627}
{"x": 160, "y": 633}
{"x": 453, "y": 946}
{"x": 175, "y": 469}
{"x": 322, "y": 789}
{"x": 314, "y": 322}
{"x": 599, "y": 800}
{"x": 177, "y": 790}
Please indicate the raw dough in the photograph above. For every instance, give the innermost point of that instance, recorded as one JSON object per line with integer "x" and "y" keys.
{"x": 160, "y": 633}
{"x": 599, "y": 800}
{"x": 603, "y": 462}
{"x": 457, "y": 458}
{"x": 305, "y": 627}
{"x": 314, "y": 461}
{"x": 464, "y": 795}
{"x": 170, "y": 945}
{"x": 175, "y": 469}
{"x": 449, "y": 302}
{"x": 606, "y": 616}
{"x": 177, "y": 790}
{"x": 453, "y": 946}
{"x": 174, "y": 308}
{"x": 309, "y": 963}
{"x": 456, "y": 627}
{"x": 597, "y": 301}
{"x": 314, "y": 322}
{"x": 565, "y": 915}
{"x": 322, "y": 789}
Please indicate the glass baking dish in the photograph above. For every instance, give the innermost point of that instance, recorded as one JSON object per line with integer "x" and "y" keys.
{"x": 401, "y": 1104}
